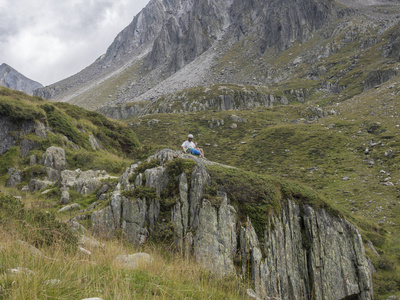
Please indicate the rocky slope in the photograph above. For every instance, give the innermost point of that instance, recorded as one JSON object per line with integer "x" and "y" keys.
{"x": 330, "y": 48}
{"x": 10, "y": 78}
{"x": 298, "y": 250}
{"x": 172, "y": 45}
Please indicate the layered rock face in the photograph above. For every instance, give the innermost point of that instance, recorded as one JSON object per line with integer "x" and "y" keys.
{"x": 303, "y": 253}
{"x": 12, "y": 79}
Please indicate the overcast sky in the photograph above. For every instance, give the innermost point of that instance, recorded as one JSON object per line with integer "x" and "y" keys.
{"x": 49, "y": 40}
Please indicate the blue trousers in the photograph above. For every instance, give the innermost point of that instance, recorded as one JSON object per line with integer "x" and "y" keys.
{"x": 193, "y": 151}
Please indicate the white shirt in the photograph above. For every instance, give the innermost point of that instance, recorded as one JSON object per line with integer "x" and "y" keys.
{"x": 187, "y": 144}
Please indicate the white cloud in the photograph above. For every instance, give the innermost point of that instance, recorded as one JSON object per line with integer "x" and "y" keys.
{"x": 49, "y": 40}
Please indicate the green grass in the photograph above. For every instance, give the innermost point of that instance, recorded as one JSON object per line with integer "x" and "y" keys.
{"x": 277, "y": 144}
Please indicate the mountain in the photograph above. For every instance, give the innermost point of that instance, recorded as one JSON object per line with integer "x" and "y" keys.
{"x": 293, "y": 50}
{"x": 173, "y": 45}
{"x": 11, "y": 78}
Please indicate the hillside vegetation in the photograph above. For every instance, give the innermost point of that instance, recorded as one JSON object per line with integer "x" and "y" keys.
{"x": 69, "y": 127}
{"x": 351, "y": 158}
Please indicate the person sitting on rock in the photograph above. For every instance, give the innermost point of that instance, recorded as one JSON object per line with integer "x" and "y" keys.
{"x": 191, "y": 147}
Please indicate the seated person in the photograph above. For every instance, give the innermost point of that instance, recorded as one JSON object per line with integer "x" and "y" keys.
{"x": 190, "y": 147}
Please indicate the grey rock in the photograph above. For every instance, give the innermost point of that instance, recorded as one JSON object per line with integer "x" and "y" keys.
{"x": 103, "y": 223}
{"x": 32, "y": 160}
{"x": 252, "y": 294}
{"x": 37, "y": 184}
{"x": 84, "y": 251}
{"x": 12, "y": 79}
{"x": 96, "y": 145}
{"x": 238, "y": 119}
{"x": 83, "y": 182}
{"x": 215, "y": 239}
{"x": 71, "y": 207}
{"x": 19, "y": 271}
{"x": 15, "y": 178}
{"x": 393, "y": 297}
{"x": 35, "y": 251}
{"x": 64, "y": 197}
{"x": 7, "y": 137}
{"x": 133, "y": 261}
{"x": 54, "y": 157}
{"x": 75, "y": 226}
{"x": 28, "y": 145}
{"x": 89, "y": 242}
{"x": 134, "y": 214}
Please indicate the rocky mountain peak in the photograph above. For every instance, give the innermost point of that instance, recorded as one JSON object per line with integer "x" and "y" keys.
{"x": 176, "y": 44}
{"x": 11, "y": 78}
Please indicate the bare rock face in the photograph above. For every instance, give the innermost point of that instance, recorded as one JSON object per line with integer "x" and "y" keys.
{"x": 12, "y": 133}
{"x": 304, "y": 253}
{"x": 12, "y": 79}
{"x": 175, "y": 44}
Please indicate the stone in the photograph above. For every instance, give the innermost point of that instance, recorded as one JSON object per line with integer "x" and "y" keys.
{"x": 32, "y": 160}
{"x": 91, "y": 243}
{"x": 64, "y": 197}
{"x": 252, "y": 294}
{"x": 75, "y": 226}
{"x": 19, "y": 271}
{"x": 238, "y": 119}
{"x": 133, "y": 261}
{"x": 74, "y": 206}
{"x": 54, "y": 157}
{"x": 96, "y": 145}
{"x": 37, "y": 184}
{"x": 83, "y": 182}
{"x": 233, "y": 126}
{"x": 84, "y": 251}
{"x": 15, "y": 177}
{"x": 35, "y": 251}
{"x": 27, "y": 145}
{"x": 7, "y": 137}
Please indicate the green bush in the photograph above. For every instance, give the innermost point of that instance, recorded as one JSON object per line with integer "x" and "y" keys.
{"x": 60, "y": 123}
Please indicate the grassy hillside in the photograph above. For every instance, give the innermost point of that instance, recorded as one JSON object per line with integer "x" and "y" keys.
{"x": 69, "y": 127}
{"x": 60, "y": 271}
{"x": 329, "y": 155}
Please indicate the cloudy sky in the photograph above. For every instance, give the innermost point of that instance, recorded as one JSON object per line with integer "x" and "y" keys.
{"x": 49, "y": 40}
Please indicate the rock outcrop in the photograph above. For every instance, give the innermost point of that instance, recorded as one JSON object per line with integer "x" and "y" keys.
{"x": 300, "y": 253}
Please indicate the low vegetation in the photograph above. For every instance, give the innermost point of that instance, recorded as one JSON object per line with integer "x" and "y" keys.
{"x": 350, "y": 160}
{"x": 57, "y": 273}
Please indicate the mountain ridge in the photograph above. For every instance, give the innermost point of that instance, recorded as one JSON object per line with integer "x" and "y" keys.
{"x": 11, "y": 78}
{"x": 182, "y": 35}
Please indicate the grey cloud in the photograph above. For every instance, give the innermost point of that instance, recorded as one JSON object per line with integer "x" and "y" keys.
{"x": 49, "y": 40}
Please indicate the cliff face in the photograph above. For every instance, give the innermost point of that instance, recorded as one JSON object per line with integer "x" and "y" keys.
{"x": 12, "y": 79}
{"x": 300, "y": 252}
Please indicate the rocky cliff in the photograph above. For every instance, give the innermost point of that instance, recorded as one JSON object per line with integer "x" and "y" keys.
{"x": 290, "y": 244}
{"x": 10, "y": 78}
